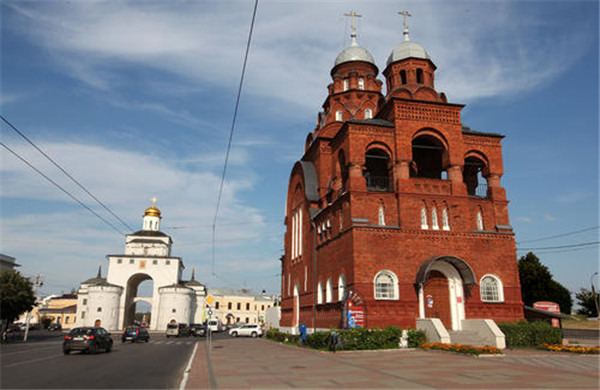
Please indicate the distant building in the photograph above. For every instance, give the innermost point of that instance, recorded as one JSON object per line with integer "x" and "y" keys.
{"x": 240, "y": 306}
{"x": 60, "y": 310}
{"x": 110, "y": 302}
{"x": 7, "y": 263}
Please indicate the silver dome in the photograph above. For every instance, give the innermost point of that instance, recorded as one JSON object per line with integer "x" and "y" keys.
{"x": 407, "y": 49}
{"x": 354, "y": 53}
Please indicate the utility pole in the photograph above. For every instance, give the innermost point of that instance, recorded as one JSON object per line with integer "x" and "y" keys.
{"x": 37, "y": 284}
{"x": 594, "y": 294}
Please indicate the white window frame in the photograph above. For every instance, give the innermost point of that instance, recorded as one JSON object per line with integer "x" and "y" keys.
{"x": 434, "y": 219}
{"x": 319, "y": 293}
{"x": 445, "y": 223}
{"x": 424, "y": 224}
{"x": 378, "y": 294}
{"x": 329, "y": 291}
{"x": 346, "y": 84}
{"x": 361, "y": 83}
{"x": 341, "y": 287}
{"x": 368, "y": 113}
{"x": 381, "y": 216}
{"x": 339, "y": 116}
{"x": 498, "y": 285}
{"x": 479, "y": 220}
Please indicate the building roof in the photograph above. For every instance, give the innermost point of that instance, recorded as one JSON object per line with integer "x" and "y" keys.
{"x": 467, "y": 130}
{"x": 149, "y": 233}
{"x": 408, "y": 49}
{"x": 226, "y": 291}
{"x": 66, "y": 309}
{"x": 373, "y": 121}
{"x": 354, "y": 52}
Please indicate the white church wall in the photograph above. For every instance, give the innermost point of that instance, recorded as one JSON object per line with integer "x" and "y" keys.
{"x": 174, "y": 304}
{"x": 103, "y": 305}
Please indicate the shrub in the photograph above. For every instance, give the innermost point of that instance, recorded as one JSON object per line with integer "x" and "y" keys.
{"x": 360, "y": 338}
{"x": 530, "y": 334}
{"x": 318, "y": 340}
{"x": 416, "y": 338}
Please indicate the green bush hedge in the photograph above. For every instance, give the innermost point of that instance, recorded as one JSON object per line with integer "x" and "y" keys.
{"x": 355, "y": 339}
{"x": 530, "y": 334}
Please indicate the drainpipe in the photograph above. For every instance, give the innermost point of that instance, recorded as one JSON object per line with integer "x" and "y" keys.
{"x": 314, "y": 227}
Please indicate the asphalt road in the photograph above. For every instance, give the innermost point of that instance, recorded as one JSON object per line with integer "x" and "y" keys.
{"x": 40, "y": 364}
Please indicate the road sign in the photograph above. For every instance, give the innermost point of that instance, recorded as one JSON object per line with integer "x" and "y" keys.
{"x": 209, "y": 299}
{"x": 209, "y": 312}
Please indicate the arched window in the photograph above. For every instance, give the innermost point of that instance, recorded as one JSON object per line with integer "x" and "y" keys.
{"x": 479, "y": 220}
{"x": 338, "y": 115}
{"x": 377, "y": 170}
{"x": 428, "y": 154}
{"x": 419, "y": 76}
{"x": 473, "y": 176}
{"x": 424, "y": 224}
{"x": 434, "y": 219}
{"x": 361, "y": 83}
{"x": 403, "y": 77}
{"x": 346, "y": 84}
{"x": 329, "y": 291}
{"x": 491, "y": 289}
{"x": 320, "y": 293}
{"x": 386, "y": 285}
{"x": 343, "y": 169}
{"x": 368, "y": 113}
{"x": 381, "y": 216}
{"x": 445, "y": 223}
{"x": 341, "y": 287}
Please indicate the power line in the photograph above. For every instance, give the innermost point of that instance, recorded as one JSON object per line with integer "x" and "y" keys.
{"x": 562, "y": 246}
{"x": 65, "y": 172}
{"x": 62, "y": 189}
{"x": 560, "y": 235}
{"x": 235, "y": 111}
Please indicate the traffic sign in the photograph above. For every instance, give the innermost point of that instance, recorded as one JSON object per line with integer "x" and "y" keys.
{"x": 209, "y": 299}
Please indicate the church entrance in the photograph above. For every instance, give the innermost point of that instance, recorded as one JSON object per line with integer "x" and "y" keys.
{"x": 437, "y": 298}
{"x": 140, "y": 288}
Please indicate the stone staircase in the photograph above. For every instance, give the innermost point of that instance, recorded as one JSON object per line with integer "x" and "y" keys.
{"x": 466, "y": 337}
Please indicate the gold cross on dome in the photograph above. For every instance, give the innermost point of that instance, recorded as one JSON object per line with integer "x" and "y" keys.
{"x": 353, "y": 15}
{"x": 405, "y": 14}
{"x": 153, "y": 200}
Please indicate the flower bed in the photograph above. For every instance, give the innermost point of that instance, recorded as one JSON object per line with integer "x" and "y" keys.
{"x": 463, "y": 349}
{"x": 570, "y": 348}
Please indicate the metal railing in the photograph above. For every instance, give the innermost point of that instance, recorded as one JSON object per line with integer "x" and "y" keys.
{"x": 378, "y": 183}
{"x": 480, "y": 191}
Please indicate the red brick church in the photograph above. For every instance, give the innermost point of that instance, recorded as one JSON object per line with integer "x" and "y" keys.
{"x": 396, "y": 212}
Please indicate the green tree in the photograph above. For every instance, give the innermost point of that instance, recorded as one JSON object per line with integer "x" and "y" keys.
{"x": 537, "y": 284}
{"x": 16, "y": 297}
{"x": 585, "y": 299}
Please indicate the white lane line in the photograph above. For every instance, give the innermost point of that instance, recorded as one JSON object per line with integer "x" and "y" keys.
{"x": 189, "y": 343}
{"x": 186, "y": 373}
{"x": 32, "y": 361}
{"x": 169, "y": 342}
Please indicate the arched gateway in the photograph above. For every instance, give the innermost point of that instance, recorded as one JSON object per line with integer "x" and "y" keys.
{"x": 112, "y": 300}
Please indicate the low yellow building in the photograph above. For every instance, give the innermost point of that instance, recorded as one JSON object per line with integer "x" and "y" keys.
{"x": 239, "y": 306}
{"x": 61, "y": 310}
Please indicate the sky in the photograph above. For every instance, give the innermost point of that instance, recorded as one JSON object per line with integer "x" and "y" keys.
{"x": 135, "y": 100}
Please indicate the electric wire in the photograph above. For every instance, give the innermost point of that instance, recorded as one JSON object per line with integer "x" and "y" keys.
{"x": 62, "y": 189}
{"x": 65, "y": 172}
{"x": 562, "y": 246}
{"x": 560, "y": 235}
{"x": 233, "y": 120}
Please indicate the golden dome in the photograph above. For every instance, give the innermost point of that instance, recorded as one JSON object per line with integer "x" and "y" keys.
{"x": 152, "y": 211}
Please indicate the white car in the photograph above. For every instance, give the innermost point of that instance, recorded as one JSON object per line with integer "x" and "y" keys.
{"x": 247, "y": 330}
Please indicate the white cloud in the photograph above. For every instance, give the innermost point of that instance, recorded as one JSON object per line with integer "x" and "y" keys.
{"x": 480, "y": 48}
{"x": 549, "y": 218}
{"x": 573, "y": 197}
{"x": 525, "y": 219}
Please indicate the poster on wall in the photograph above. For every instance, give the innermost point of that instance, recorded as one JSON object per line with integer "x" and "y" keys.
{"x": 356, "y": 310}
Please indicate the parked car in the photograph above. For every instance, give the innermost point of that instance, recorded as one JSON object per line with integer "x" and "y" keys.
{"x": 198, "y": 330}
{"x": 135, "y": 333}
{"x": 251, "y": 330}
{"x": 215, "y": 325}
{"x": 178, "y": 330}
{"x": 87, "y": 339}
{"x": 53, "y": 327}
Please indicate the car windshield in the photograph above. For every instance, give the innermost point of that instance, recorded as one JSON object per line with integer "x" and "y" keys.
{"x": 82, "y": 332}
{"x": 172, "y": 326}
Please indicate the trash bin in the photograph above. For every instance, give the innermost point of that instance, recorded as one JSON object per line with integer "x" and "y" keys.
{"x": 303, "y": 333}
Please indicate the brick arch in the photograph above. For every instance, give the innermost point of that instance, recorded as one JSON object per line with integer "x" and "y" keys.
{"x": 426, "y": 93}
{"x": 379, "y": 145}
{"x": 432, "y": 133}
{"x": 481, "y": 156}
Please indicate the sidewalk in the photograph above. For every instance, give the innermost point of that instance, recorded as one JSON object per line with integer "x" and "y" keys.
{"x": 259, "y": 363}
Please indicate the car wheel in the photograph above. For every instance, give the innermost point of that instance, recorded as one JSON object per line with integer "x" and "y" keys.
{"x": 93, "y": 349}
{"x": 254, "y": 334}
{"x": 234, "y": 334}
{"x": 109, "y": 348}
{"x": 66, "y": 351}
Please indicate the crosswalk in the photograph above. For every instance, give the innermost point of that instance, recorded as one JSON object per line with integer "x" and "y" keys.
{"x": 171, "y": 342}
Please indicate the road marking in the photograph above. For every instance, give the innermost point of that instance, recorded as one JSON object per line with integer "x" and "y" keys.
{"x": 157, "y": 342}
{"x": 189, "y": 343}
{"x": 32, "y": 361}
{"x": 169, "y": 342}
{"x": 186, "y": 373}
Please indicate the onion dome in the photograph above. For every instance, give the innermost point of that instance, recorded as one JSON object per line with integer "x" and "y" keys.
{"x": 152, "y": 211}
{"x": 354, "y": 52}
{"x": 407, "y": 49}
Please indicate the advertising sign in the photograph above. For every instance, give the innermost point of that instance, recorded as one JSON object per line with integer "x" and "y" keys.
{"x": 551, "y": 307}
{"x": 356, "y": 310}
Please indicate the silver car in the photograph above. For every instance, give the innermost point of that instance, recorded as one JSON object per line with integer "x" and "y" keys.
{"x": 247, "y": 330}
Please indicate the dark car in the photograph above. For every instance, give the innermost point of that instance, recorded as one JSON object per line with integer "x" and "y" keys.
{"x": 53, "y": 327}
{"x": 198, "y": 330}
{"x": 135, "y": 333}
{"x": 87, "y": 339}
